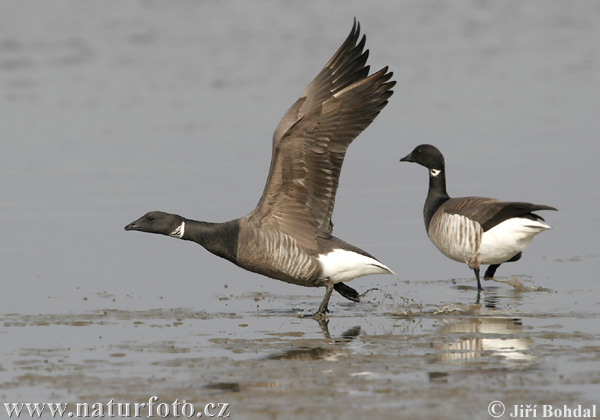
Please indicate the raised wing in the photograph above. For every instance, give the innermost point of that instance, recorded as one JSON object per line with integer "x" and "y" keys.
{"x": 489, "y": 212}
{"x": 310, "y": 142}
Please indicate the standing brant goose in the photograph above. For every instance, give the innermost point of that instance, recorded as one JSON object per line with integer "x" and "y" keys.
{"x": 288, "y": 235}
{"x": 474, "y": 230}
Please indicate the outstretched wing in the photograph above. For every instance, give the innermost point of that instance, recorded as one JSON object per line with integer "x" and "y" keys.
{"x": 310, "y": 143}
{"x": 489, "y": 212}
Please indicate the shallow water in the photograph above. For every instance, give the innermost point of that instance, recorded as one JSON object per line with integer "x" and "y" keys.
{"x": 108, "y": 112}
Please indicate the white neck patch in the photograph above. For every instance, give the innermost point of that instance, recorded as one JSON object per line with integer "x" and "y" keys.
{"x": 178, "y": 233}
{"x": 434, "y": 172}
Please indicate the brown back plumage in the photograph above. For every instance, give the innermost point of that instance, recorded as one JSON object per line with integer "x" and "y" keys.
{"x": 310, "y": 142}
{"x": 489, "y": 212}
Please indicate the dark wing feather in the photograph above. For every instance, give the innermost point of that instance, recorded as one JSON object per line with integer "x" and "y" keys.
{"x": 489, "y": 212}
{"x": 310, "y": 143}
{"x": 348, "y": 65}
{"x": 515, "y": 209}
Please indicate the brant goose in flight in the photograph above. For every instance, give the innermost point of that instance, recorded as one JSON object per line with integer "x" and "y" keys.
{"x": 288, "y": 235}
{"x": 474, "y": 230}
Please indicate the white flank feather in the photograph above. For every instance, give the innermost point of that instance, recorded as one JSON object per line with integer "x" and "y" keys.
{"x": 508, "y": 238}
{"x": 341, "y": 265}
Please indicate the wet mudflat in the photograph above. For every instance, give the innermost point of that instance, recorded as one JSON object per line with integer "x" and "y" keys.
{"x": 109, "y": 111}
{"x": 389, "y": 354}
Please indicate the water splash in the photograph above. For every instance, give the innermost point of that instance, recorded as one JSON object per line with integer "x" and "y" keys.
{"x": 520, "y": 284}
{"x": 458, "y": 308}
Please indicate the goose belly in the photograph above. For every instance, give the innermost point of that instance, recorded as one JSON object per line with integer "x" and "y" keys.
{"x": 278, "y": 256}
{"x": 455, "y": 236}
{"x": 508, "y": 238}
{"x": 343, "y": 265}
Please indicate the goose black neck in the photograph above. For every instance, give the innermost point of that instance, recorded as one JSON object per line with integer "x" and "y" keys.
{"x": 436, "y": 196}
{"x": 219, "y": 238}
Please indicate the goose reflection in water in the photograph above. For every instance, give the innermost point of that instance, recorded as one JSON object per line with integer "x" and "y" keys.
{"x": 330, "y": 350}
{"x": 323, "y": 351}
{"x": 491, "y": 337}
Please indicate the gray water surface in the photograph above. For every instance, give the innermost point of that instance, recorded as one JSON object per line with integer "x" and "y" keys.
{"x": 112, "y": 109}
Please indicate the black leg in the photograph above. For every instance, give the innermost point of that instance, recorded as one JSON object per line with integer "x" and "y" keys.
{"x": 489, "y": 273}
{"x": 323, "y": 309}
{"x": 516, "y": 257}
{"x": 347, "y": 291}
{"x": 491, "y": 270}
{"x": 476, "y": 270}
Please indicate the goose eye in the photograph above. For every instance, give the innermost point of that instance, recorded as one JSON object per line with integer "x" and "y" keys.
{"x": 151, "y": 218}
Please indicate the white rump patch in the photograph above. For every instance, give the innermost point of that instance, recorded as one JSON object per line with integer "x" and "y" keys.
{"x": 508, "y": 238}
{"x": 178, "y": 233}
{"x": 341, "y": 265}
{"x": 434, "y": 172}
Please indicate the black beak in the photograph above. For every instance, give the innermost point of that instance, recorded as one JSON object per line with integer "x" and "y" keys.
{"x": 136, "y": 224}
{"x": 132, "y": 226}
{"x": 407, "y": 158}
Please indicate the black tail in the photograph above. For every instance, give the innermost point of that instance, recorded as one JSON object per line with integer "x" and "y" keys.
{"x": 347, "y": 291}
{"x": 515, "y": 209}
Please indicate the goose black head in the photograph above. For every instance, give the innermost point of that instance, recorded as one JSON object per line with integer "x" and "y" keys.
{"x": 428, "y": 156}
{"x": 159, "y": 222}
